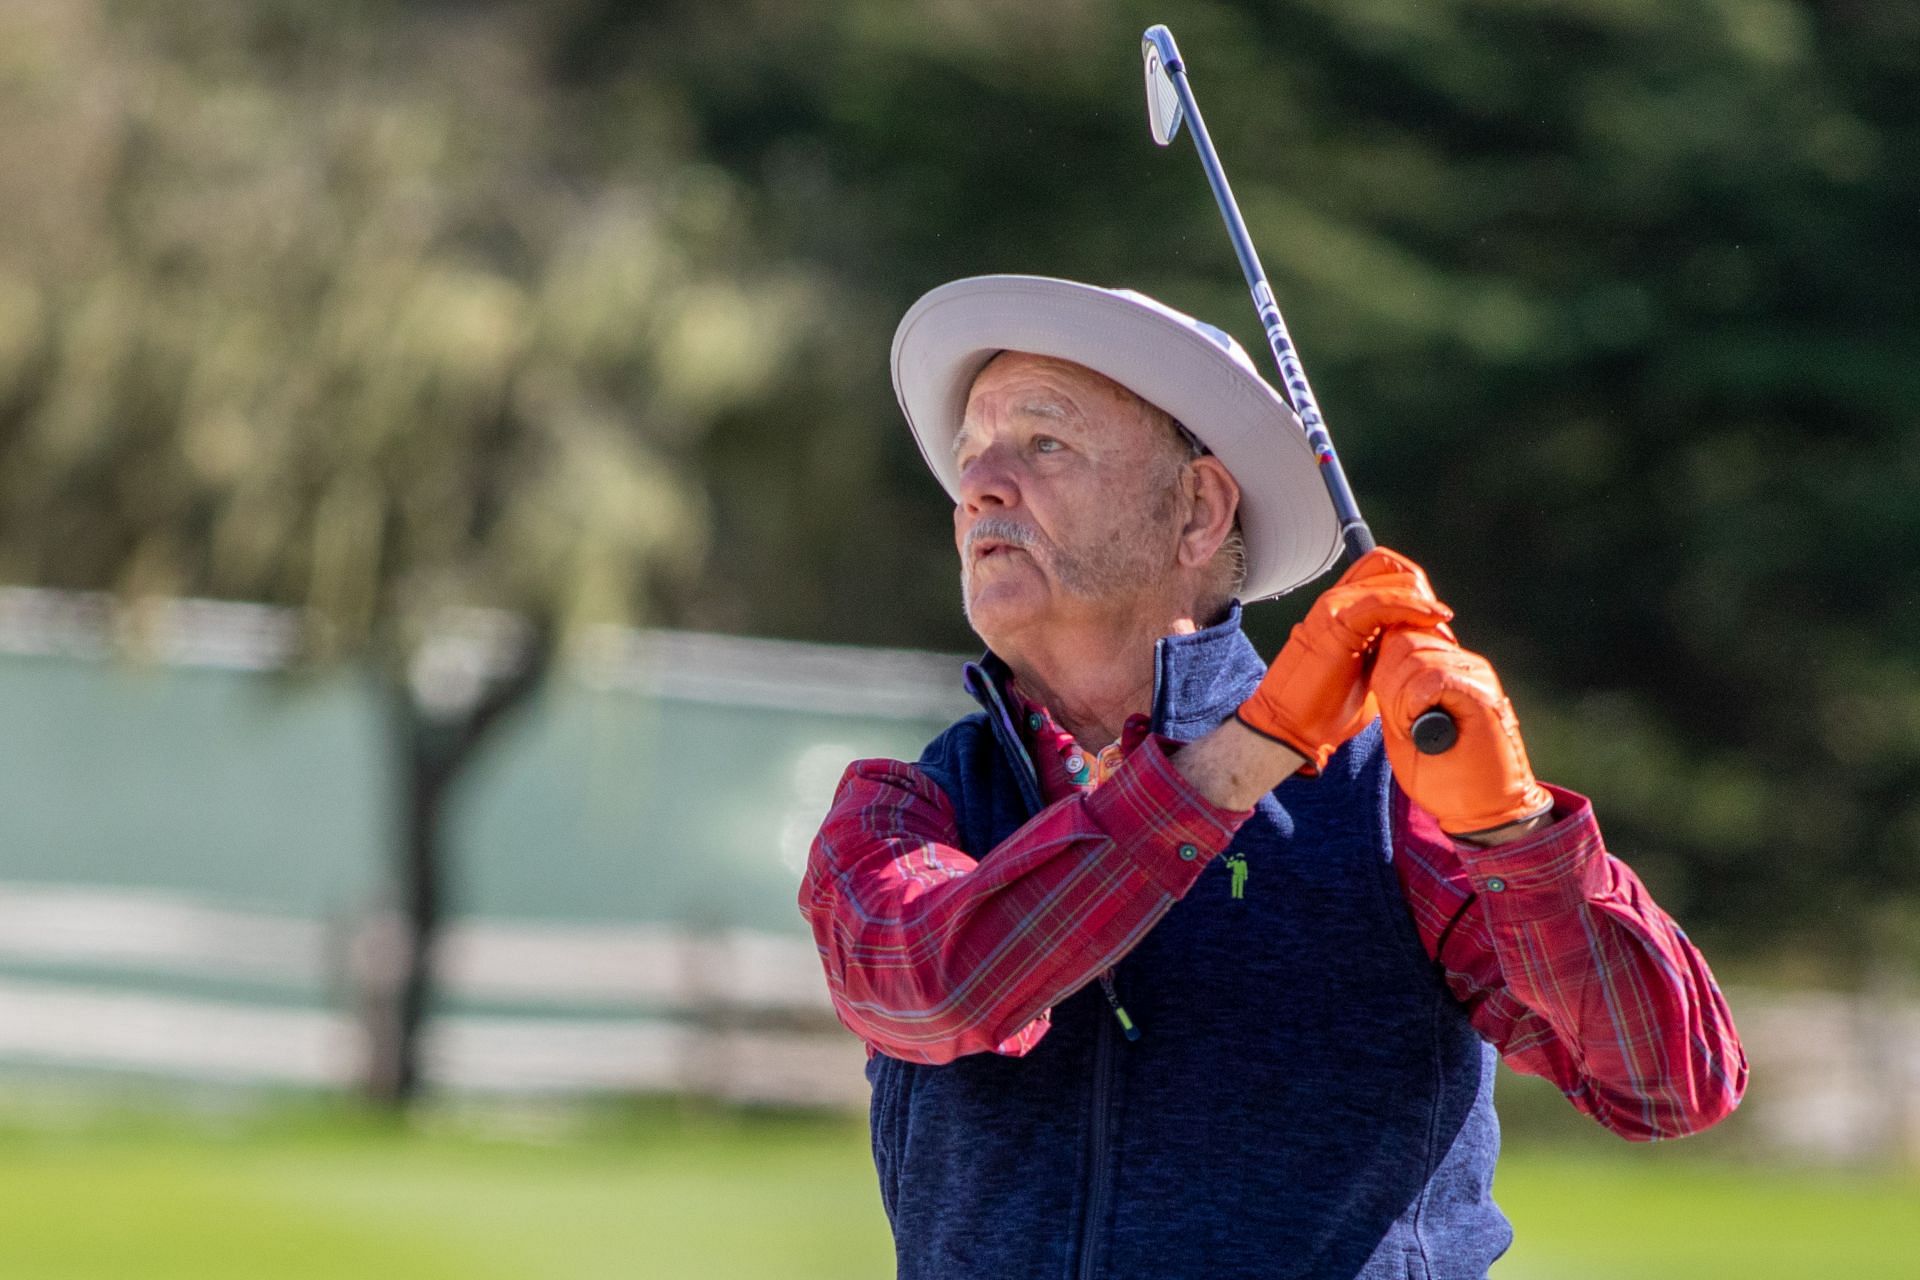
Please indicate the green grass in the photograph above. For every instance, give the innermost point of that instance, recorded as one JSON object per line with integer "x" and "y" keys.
{"x": 668, "y": 1192}
{"x": 665, "y": 1195}
{"x": 1623, "y": 1218}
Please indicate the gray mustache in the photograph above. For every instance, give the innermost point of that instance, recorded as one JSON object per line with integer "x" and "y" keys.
{"x": 1001, "y": 529}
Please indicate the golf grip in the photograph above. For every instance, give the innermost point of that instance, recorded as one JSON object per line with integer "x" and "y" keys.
{"x": 1433, "y": 730}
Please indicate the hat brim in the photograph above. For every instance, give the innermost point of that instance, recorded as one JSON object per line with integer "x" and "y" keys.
{"x": 1210, "y": 386}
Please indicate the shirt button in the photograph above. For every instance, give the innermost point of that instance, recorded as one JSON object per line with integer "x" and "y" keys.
{"x": 1034, "y": 722}
{"x": 1496, "y": 885}
{"x": 1075, "y": 764}
{"x": 1188, "y": 853}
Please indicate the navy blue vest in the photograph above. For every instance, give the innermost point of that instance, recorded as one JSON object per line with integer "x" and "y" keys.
{"x": 1306, "y": 1099}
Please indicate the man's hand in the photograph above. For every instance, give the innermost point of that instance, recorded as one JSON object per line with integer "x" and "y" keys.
{"x": 1314, "y": 696}
{"x": 1482, "y": 782}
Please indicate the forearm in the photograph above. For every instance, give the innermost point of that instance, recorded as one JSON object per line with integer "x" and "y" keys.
{"x": 1661, "y": 1056}
{"x": 1569, "y": 966}
{"x": 930, "y": 956}
{"x": 1232, "y": 766}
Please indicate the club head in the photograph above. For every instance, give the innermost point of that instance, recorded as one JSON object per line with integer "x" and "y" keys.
{"x": 1157, "y": 50}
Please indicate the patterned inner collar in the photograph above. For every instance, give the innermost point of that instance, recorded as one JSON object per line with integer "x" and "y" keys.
{"x": 1062, "y": 761}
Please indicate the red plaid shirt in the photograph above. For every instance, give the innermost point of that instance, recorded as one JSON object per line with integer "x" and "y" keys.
{"x": 1554, "y": 947}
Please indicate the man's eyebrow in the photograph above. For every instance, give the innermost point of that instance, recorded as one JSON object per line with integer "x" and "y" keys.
{"x": 1038, "y": 408}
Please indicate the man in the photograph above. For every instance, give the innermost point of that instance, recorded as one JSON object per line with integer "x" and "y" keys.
{"x": 1174, "y": 964}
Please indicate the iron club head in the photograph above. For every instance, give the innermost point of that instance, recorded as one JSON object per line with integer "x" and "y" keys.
{"x": 1163, "y": 100}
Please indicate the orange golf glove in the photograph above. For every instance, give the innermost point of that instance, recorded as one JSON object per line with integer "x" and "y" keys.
{"x": 1314, "y": 696}
{"x": 1483, "y": 780}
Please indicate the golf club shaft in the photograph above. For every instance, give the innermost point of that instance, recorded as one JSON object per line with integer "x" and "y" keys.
{"x": 1355, "y": 537}
{"x": 1433, "y": 731}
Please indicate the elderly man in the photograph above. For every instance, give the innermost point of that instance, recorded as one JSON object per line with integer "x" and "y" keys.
{"x": 1173, "y": 963}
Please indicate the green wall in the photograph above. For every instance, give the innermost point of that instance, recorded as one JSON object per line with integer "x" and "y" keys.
{"x": 249, "y": 789}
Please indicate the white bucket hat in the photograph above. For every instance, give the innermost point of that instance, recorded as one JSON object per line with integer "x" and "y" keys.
{"x": 1192, "y": 370}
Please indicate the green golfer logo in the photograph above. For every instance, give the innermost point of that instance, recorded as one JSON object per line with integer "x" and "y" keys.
{"x": 1238, "y": 866}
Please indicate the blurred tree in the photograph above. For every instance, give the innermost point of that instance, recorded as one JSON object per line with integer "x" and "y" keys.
{"x": 382, "y": 310}
{"x": 1611, "y": 305}
{"x": 339, "y": 307}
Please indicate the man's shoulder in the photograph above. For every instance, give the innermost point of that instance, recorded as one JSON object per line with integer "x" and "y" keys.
{"x": 957, "y": 746}
{"x": 947, "y": 761}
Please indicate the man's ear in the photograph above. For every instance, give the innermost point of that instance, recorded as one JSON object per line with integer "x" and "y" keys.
{"x": 1213, "y": 500}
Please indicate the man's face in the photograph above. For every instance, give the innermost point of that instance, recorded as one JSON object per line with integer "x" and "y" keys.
{"x": 1068, "y": 497}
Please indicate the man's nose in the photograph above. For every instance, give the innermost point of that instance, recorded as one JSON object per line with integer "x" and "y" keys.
{"x": 989, "y": 482}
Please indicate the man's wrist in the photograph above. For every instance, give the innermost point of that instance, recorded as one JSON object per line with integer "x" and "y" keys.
{"x": 1233, "y": 766}
{"x": 1512, "y": 831}
{"x": 1546, "y": 873}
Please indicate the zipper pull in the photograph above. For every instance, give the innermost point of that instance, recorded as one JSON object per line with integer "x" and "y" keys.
{"x": 1113, "y": 998}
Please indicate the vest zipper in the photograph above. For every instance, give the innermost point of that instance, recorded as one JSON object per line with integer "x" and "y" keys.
{"x": 1100, "y": 1136}
{"x": 1100, "y": 1139}
{"x": 1119, "y": 1012}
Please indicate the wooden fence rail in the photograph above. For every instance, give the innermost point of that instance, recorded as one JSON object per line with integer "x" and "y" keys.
{"x": 150, "y": 982}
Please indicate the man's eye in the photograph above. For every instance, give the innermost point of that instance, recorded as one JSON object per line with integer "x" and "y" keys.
{"x": 1046, "y": 444}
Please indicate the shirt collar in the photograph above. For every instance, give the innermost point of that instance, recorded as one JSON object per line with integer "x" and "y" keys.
{"x": 1062, "y": 760}
{"x": 1199, "y": 678}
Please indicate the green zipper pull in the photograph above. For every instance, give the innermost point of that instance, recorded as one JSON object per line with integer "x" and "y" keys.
{"x": 1113, "y": 998}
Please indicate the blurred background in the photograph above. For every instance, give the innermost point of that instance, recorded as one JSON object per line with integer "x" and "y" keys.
{"x": 455, "y": 528}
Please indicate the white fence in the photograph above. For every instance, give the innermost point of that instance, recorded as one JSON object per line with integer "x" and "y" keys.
{"x": 727, "y": 1014}
{"x": 1835, "y": 1078}
{"x": 571, "y": 1009}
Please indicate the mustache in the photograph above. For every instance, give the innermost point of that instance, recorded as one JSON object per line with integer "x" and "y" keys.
{"x": 1000, "y": 529}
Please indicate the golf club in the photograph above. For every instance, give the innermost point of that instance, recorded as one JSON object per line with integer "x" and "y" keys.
{"x": 1170, "y": 103}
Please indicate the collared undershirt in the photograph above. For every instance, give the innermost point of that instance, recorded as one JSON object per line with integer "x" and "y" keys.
{"x": 1080, "y": 769}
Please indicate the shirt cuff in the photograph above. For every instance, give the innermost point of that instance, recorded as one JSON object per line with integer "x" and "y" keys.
{"x": 1157, "y": 818}
{"x": 1544, "y": 874}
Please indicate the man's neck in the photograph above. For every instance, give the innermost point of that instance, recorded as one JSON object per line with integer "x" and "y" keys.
{"x": 1092, "y": 678}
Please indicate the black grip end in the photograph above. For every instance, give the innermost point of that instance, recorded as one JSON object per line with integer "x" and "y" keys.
{"x": 1434, "y": 732}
